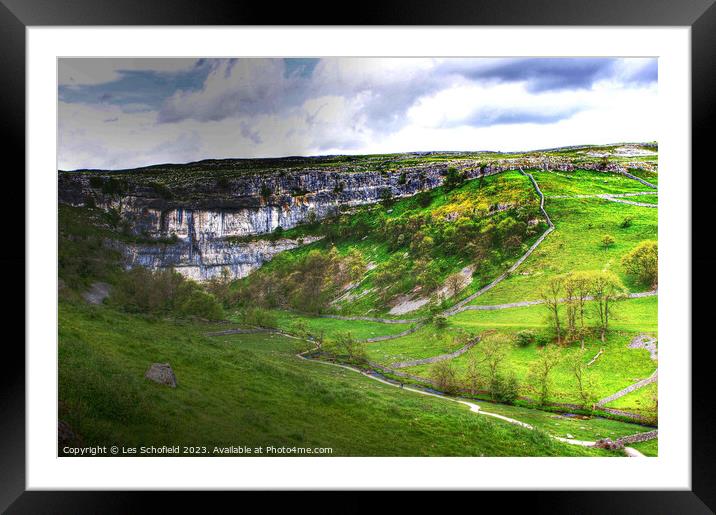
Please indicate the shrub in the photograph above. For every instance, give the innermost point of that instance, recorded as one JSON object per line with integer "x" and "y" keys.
{"x": 505, "y": 389}
{"x": 440, "y": 322}
{"x": 642, "y": 262}
{"x": 259, "y": 317}
{"x": 424, "y": 199}
{"x": 607, "y": 241}
{"x": 626, "y": 222}
{"x": 265, "y": 191}
{"x": 96, "y": 182}
{"x": 114, "y": 186}
{"x": 201, "y": 304}
{"x": 443, "y": 373}
{"x": 347, "y": 345}
{"x": 223, "y": 183}
{"x": 161, "y": 190}
{"x": 453, "y": 179}
{"x": 525, "y": 337}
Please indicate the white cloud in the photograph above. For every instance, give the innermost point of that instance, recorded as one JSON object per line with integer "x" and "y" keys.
{"x": 251, "y": 108}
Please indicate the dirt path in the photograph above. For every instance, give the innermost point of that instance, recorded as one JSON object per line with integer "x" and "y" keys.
{"x": 474, "y": 408}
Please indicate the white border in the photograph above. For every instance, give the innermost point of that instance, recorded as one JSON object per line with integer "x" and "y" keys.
{"x": 670, "y": 470}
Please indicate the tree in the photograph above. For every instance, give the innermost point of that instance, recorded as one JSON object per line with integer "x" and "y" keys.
{"x": 345, "y": 343}
{"x": 606, "y": 289}
{"x": 454, "y": 284}
{"x": 453, "y": 179}
{"x": 443, "y": 373}
{"x": 541, "y": 371}
{"x": 473, "y": 376}
{"x": 584, "y": 383}
{"x": 551, "y": 295}
{"x": 440, "y": 322}
{"x": 265, "y": 192}
{"x": 577, "y": 286}
{"x": 642, "y": 262}
{"x": 607, "y": 241}
{"x": 386, "y": 197}
{"x": 494, "y": 350}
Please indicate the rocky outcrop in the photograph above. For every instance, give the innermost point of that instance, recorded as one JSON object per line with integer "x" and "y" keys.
{"x": 207, "y": 257}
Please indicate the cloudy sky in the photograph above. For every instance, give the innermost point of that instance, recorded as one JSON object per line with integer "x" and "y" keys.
{"x": 123, "y": 113}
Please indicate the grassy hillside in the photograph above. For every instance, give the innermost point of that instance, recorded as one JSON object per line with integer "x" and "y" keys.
{"x": 576, "y": 244}
{"x": 432, "y": 250}
{"x": 253, "y": 390}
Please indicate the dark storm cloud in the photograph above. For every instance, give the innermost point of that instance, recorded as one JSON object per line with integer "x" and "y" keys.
{"x": 548, "y": 74}
{"x": 485, "y": 117}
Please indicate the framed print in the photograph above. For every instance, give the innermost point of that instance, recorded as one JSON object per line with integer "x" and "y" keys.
{"x": 419, "y": 252}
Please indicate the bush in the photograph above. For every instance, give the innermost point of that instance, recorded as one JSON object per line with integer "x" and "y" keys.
{"x": 627, "y": 222}
{"x": 642, "y": 262}
{"x": 201, "y": 304}
{"x": 114, "y": 186}
{"x": 265, "y": 191}
{"x": 443, "y": 373}
{"x": 346, "y": 344}
{"x": 525, "y": 338}
{"x": 424, "y": 199}
{"x": 259, "y": 317}
{"x": 164, "y": 292}
{"x": 505, "y": 389}
{"x": 607, "y": 241}
{"x": 162, "y": 191}
{"x": 440, "y": 322}
{"x": 453, "y": 179}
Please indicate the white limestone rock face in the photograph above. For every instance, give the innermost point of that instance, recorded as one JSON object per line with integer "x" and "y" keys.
{"x": 207, "y": 257}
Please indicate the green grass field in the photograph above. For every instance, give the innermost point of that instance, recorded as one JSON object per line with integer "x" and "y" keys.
{"x": 252, "y": 390}
{"x": 584, "y": 182}
{"x": 617, "y": 367}
{"x": 575, "y": 244}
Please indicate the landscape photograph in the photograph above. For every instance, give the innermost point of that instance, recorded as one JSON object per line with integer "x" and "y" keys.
{"x": 357, "y": 257}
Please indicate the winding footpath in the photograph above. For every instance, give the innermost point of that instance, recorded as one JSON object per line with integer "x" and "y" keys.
{"x": 474, "y": 408}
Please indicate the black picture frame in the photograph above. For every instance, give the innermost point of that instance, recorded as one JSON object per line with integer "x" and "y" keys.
{"x": 700, "y": 15}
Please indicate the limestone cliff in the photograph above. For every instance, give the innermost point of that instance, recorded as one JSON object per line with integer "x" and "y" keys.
{"x": 204, "y": 206}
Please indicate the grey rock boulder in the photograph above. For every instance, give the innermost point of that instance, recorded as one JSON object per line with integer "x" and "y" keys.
{"x": 97, "y": 293}
{"x": 162, "y": 373}
{"x": 609, "y": 444}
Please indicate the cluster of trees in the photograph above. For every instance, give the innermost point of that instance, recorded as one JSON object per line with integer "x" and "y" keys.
{"x": 164, "y": 292}
{"x": 485, "y": 372}
{"x": 307, "y": 281}
{"x": 472, "y": 237}
{"x": 566, "y": 299}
